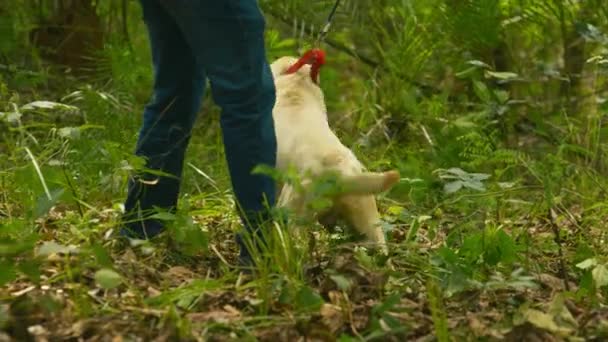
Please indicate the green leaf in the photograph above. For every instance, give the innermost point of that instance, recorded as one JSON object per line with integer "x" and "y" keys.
{"x": 346, "y": 338}
{"x": 11, "y": 247}
{"x": 502, "y": 96}
{"x": 364, "y": 258}
{"x": 49, "y": 304}
{"x": 506, "y": 185}
{"x": 479, "y": 176}
{"x": 588, "y": 263}
{"x": 195, "y": 242}
{"x": 7, "y": 272}
{"x": 102, "y": 256}
{"x": 164, "y": 216}
{"x": 341, "y": 281}
{"x": 107, "y": 278}
{"x": 31, "y": 268}
{"x": 479, "y": 64}
{"x": 501, "y": 75}
{"x": 8, "y": 34}
{"x": 387, "y": 304}
{"x": 188, "y": 236}
{"x": 269, "y": 171}
{"x": 452, "y": 187}
{"x": 52, "y": 247}
{"x": 47, "y": 105}
{"x": 458, "y": 171}
{"x": 464, "y": 122}
{"x": 475, "y": 185}
{"x": 308, "y": 299}
{"x": 482, "y": 92}
{"x": 44, "y": 203}
{"x": 466, "y": 72}
{"x": 12, "y": 118}
{"x": 473, "y": 246}
{"x": 600, "y": 275}
{"x": 5, "y": 317}
{"x": 447, "y": 255}
{"x": 69, "y": 132}
{"x": 586, "y": 283}
{"x": 285, "y": 43}
{"x": 508, "y": 251}
{"x": 320, "y": 203}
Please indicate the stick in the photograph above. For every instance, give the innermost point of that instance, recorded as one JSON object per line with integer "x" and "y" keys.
{"x": 562, "y": 264}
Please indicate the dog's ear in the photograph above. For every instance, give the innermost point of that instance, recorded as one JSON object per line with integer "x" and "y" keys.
{"x": 280, "y": 65}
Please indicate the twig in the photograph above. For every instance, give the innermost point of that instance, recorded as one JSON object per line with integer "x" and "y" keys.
{"x": 73, "y": 190}
{"x": 427, "y": 135}
{"x": 145, "y": 311}
{"x": 219, "y": 255}
{"x": 562, "y": 264}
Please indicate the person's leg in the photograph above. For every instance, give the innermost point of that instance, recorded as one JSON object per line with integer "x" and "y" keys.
{"x": 168, "y": 119}
{"x": 228, "y": 38}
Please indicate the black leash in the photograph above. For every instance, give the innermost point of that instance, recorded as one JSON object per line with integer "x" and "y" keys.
{"x": 325, "y": 29}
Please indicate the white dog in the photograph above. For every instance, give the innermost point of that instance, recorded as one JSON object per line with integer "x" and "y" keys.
{"x": 307, "y": 144}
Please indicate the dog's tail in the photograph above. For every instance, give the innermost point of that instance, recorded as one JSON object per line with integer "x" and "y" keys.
{"x": 368, "y": 183}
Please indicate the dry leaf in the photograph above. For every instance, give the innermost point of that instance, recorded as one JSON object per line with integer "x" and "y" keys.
{"x": 179, "y": 274}
{"x": 545, "y": 321}
{"x": 219, "y": 316}
{"x": 332, "y": 316}
{"x": 551, "y": 281}
{"x": 152, "y": 292}
{"x": 478, "y": 328}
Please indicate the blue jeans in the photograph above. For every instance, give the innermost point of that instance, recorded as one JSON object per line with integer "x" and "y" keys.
{"x": 191, "y": 41}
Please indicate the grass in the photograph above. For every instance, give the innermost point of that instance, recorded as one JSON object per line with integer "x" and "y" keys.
{"x": 487, "y": 241}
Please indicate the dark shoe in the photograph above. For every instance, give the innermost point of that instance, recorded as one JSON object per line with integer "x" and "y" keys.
{"x": 245, "y": 263}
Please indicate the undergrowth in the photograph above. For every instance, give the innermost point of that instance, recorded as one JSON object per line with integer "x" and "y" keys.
{"x": 496, "y": 230}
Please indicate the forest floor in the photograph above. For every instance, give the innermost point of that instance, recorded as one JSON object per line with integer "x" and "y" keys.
{"x": 156, "y": 293}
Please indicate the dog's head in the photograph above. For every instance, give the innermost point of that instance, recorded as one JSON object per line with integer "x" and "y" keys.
{"x": 309, "y": 65}
{"x": 295, "y": 86}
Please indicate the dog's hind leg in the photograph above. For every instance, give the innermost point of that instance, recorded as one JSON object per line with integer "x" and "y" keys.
{"x": 362, "y": 214}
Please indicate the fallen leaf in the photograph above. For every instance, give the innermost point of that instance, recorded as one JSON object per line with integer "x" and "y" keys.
{"x": 587, "y": 263}
{"x": 478, "y": 328}
{"x": 600, "y": 275}
{"x": 219, "y": 316}
{"x": 5, "y": 337}
{"x": 561, "y": 314}
{"x": 551, "y": 281}
{"x": 51, "y": 247}
{"x": 107, "y": 278}
{"x": 37, "y": 330}
{"x": 179, "y": 274}
{"x": 332, "y": 316}
{"x": 544, "y": 321}
{"x": 152, "y": 292}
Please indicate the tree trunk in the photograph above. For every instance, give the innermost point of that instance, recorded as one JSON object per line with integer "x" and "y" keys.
{"x": 71, "y": 36}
